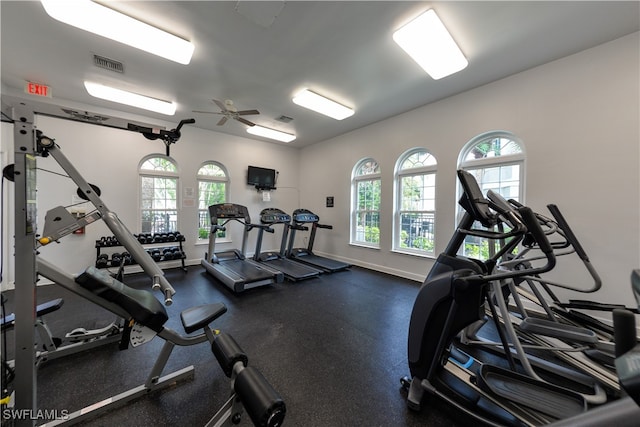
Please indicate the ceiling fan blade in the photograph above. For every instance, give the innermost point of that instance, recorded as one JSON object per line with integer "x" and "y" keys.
{"x": 247, "y": 112}
{"x": 245, "y": 121}
{"x": 206, "y": 112}
{"x": 220, "y": 104}
{"x": 222, "y": 121}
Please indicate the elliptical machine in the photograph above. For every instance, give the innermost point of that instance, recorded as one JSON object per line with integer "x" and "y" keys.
{"x": 453, "y": 297}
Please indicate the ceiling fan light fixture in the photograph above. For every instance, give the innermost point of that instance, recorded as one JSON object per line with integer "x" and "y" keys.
{"x": 271, "y": 133}
{"x": 428, "y": 42}
{"x": 98, "y": 19}
{"x": 320, "y": 104}
{"x": 129, "y": 98}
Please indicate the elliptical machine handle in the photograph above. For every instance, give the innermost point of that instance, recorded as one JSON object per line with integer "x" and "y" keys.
{"x": 534, "y": 228}
{"x": 568, "y": 232}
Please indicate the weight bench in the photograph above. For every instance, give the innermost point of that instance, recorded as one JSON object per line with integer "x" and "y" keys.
{"x": 8, "y": 321}
{"x": 249, "y": 389}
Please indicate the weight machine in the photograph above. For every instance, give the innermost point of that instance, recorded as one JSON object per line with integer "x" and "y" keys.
{"x": 145, "y": 314}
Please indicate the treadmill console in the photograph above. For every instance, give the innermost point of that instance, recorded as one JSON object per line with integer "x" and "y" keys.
{"x": 229, "y": 211}
{"x": 302, "y": 216}
{"x": 274, "y": 216}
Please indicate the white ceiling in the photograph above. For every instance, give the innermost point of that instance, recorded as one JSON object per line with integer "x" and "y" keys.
{"x": 341, "y": 49}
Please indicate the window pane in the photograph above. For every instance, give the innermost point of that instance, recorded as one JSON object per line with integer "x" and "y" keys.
{"x": 211, "y": 170}
{"x": 159, "y": 164}
{"x": 416, "y": 230}
{"x": 493, "y": 147}
{"x": 417, "y": 160}
{"x": 504, "y": 179}
{"x": 369, "y": 195}
{"x": 368, "y": 167}
{"x": 418, "y": 192}
{"x": 154, "y": 221}
{"x": 368, "y": 227}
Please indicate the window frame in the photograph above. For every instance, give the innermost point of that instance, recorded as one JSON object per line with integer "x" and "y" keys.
{"x": 148, "y": 173}
{"x": 398, "y": 210}
{"x": 357, "y": 179}
{"x": 222, "y": 236}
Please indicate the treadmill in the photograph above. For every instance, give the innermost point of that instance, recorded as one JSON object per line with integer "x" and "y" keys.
{"x": 231, "y": 267}
{"x": 306, "y": 255}
{"x": 293, "y": 271}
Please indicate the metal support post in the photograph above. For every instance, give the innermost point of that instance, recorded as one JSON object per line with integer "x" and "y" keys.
{"x": 25, "y": 276}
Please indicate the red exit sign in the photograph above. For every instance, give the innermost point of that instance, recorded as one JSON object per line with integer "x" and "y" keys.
{"x": 37, "y": 89}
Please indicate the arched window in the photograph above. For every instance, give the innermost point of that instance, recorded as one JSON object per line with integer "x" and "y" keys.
{"x": 415, "y": 202}
{"x": 365, "y": 214}
{"x": 158, "y": 194}
{"x": 496, "y": 160}
{"x": 212, "y": 189}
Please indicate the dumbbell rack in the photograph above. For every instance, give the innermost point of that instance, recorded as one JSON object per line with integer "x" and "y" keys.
{"x": 160, "y": 251}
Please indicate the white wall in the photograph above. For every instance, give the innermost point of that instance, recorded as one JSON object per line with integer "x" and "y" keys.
{"x": 579, "y": 120}
{"x": 109, "y": 158}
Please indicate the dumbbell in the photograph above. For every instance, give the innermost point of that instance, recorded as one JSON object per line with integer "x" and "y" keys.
{"x": 156, "y": 255}
{"x": 171, "y": 237}
{"x": 102, "y": 261}
{"x": 128, "y": 260}
{"x": 179, "y": 236}
{"x": 116, "y": 260}
{"x": 167, "y": 254}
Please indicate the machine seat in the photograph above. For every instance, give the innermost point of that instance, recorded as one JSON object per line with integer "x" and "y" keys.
{"x": 141, "y": 305}
{"x": 195, "y": 318}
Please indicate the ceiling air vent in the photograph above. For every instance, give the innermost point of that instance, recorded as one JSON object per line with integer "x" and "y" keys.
{"x": 108, "y": 64}
{"x": 284, "y": 119}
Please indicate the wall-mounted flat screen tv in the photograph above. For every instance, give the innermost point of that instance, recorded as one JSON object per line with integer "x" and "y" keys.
{"x": 261, "y": 178}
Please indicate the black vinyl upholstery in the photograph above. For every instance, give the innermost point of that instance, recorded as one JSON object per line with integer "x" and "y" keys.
{"x": 141, "y": 305}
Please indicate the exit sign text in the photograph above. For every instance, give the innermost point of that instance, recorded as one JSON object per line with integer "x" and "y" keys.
{"x": 37, "y": 89}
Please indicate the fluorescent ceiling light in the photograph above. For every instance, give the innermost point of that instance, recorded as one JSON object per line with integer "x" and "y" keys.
{"x": 130, "y": 98}
{"x": 271, "y": 133}
{"x": 429, "y": 43}
{"x": 322, "y": 105}
{"x": 101, "y": 20}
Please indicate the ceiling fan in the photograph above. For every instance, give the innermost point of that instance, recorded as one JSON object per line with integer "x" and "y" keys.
{"x": 229, "y": 111}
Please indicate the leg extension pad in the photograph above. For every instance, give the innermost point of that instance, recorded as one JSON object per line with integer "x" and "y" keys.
{"x": 228, "y": 352}
{"x": 263, "y": 404}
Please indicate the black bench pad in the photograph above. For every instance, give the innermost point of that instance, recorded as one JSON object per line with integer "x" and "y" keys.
{"x": 141, "y": 305}
{"x": 195, "y": 318}
{"x": 41, "y": 310}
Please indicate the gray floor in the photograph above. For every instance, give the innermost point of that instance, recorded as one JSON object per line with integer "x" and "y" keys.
{"x": 334, "y": 347}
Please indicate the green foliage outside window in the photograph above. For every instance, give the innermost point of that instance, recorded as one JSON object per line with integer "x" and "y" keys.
{"x": 212, "y": 188}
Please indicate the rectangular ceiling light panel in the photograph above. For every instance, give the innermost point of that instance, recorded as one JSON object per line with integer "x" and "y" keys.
{"x": 271, "y": 133}
{"x": 429, "y": 43}
{"x": 322, "y": 105}
{"x": 130, "y": 98}
{"x": 101, "y": 20}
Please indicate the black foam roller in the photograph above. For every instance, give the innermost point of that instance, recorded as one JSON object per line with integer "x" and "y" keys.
{"x": 263, "y": 404}
{"x": 228, "y": 352}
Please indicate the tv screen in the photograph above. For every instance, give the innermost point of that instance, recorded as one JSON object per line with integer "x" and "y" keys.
{"x": 261, "y": 177}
